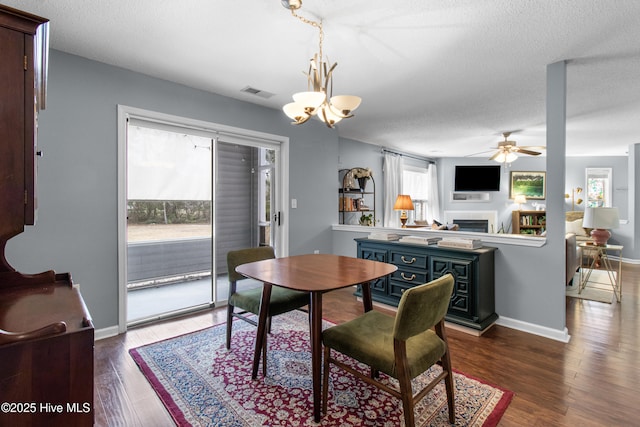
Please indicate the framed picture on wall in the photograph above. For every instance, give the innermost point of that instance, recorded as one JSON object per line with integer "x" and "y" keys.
{"x": 533, "y": 185}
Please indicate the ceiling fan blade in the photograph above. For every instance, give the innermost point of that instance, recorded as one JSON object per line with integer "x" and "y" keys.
{"x": 529, "y": 152}
{"x": 479, "y": 152}
{"x": 495, "y": 155}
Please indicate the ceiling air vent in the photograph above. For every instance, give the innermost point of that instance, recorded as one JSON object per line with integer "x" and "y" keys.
{"x": 257, "y": 92}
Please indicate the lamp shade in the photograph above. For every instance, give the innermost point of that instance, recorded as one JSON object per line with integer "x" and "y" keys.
{"x": 601, "y": 220}
{"x": 403, "y": 203}
{"x": 604, "y": 218}
{"x": 520, "y": 199}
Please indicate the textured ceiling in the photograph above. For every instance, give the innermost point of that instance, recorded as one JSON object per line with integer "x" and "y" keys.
{"x": 437, "y": 77}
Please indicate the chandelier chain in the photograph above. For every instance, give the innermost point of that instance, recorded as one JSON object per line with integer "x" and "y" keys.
{"x": 318, "y": 25}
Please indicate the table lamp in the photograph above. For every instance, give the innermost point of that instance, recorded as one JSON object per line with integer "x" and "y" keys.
{"x": 601, "y": 220}
{"x": 403, "y": 204}
{"x": 520, "y": 200}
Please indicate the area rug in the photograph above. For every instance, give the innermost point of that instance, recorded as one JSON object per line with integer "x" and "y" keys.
{"x": 201, "y": 383}
{"x": 598, "y": 288}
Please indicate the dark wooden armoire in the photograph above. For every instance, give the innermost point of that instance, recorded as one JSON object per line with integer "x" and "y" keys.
{"x": 46, "y": 332}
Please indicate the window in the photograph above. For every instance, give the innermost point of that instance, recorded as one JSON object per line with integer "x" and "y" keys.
{"x": 598, "y": 187}
{"x": 415, "y": 182}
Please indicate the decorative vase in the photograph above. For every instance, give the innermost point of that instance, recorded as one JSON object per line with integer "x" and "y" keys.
{"x": 362, "y": 182}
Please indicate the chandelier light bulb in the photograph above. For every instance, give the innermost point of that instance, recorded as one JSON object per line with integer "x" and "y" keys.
{"x": 296, "y": 112}
{"x": 328, "y": 116}
{"x": 310, "y": 100}
{"x": 345, "y": 104}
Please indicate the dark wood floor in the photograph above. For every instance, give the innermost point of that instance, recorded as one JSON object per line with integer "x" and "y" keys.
{"x": 594, "y": 380}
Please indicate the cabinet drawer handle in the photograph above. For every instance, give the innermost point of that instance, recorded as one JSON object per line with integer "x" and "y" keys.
{"x": 408, "y": 262}
{"x": 413, "y": 276}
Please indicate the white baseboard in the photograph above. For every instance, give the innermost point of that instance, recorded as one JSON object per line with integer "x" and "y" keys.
{"x": 543, "y": 331}
{"x": 109, "y": 332}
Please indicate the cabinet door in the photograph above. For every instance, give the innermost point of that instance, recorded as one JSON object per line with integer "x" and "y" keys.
{"x": 12, "y": 132}
{"x": 378, "y": 286}
{"x": 463, "y": 300}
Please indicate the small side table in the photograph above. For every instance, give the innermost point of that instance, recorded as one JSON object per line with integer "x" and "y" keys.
{"x": 601, "y": 253}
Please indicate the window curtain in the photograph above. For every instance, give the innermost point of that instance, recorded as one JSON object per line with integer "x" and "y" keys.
{"x": 433, "y": 204}
{"x": 392, "y": 169}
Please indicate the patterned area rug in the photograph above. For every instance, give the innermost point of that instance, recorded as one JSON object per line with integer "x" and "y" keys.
{"x": 203, "y": 384}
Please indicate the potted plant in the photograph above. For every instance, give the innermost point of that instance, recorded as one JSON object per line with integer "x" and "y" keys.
{"x": 366, "y": 220}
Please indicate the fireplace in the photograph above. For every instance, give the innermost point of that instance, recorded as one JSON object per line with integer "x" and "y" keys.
{"x": 475, "y": 225}
{"x": 473, "y": 221}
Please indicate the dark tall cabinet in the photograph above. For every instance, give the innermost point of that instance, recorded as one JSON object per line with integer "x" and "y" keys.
{"x": 473, "y": 301}
{"x": 46, "y": 332}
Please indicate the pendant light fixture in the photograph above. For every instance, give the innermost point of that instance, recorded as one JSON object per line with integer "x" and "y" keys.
{"x": 318, "y": 100}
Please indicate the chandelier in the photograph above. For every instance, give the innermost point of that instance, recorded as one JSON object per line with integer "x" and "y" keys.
{"x": 318, "y": 100}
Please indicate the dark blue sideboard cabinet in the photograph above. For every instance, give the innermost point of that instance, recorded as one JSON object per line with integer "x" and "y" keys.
{"x": 473, "y": 301}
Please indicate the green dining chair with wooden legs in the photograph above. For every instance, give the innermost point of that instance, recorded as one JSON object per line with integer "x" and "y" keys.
{"x": 248, "y": 301}
{"x": 402, "y": 347}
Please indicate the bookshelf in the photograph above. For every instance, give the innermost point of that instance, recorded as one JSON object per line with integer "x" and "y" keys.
{"x": 529, "y": 222}
{"x": 356, "y": 198}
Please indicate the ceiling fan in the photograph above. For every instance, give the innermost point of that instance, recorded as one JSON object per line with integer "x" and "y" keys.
{"x": 508, "y": 150}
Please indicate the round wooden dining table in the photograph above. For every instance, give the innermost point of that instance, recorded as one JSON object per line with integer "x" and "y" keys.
{"x": 316, "y": 274}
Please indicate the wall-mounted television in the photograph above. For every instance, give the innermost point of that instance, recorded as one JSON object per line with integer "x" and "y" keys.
{"x": 477, "y": 178}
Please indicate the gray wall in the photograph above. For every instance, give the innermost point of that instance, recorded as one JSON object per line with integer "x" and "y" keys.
{"x": 354, "y": 154}
{"x": 77, "y": 230}
{"x": 77, "y": 195}
{"x": 529, "y": 281}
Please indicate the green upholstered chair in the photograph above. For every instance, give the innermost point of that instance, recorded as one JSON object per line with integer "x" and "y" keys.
{"x": 402, "y": 347}
{"x": 248, "y": 301}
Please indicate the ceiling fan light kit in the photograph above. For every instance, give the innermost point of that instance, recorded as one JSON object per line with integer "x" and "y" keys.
{"x": 318, "y": 100}
{"x": 507, "y": 150}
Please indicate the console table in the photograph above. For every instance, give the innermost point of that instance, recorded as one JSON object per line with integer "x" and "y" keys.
{"x": 473, "y": 301}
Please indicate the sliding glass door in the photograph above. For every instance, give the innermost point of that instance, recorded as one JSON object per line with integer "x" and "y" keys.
{"x": 169, "y": 221}
{"x": 189, "y": 192}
